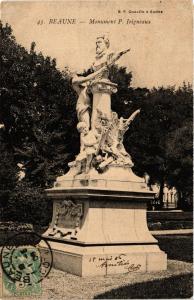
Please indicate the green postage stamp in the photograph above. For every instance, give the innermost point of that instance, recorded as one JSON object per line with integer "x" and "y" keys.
{"x": 19, "y": 289}
{"x": 24, "y": 264}
{"x": 21, "y": 274}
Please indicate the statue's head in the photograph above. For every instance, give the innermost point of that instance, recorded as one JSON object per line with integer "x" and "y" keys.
{"x": 102, "y": 44}
{"x": 82, "y": 127}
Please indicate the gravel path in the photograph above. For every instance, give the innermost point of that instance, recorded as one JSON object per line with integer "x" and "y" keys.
{"x": 60, "y": 285}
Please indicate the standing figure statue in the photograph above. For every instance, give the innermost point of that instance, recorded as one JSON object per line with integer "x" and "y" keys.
{"x": 101, "y": 131}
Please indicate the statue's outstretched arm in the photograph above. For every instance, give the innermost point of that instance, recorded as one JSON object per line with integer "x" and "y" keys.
{"x": 82, "y": 79}
{"x": 116, "y": 56}
{"x": 132, "y": 117}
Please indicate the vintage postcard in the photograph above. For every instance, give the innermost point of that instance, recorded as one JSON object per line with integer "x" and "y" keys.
{"x": 96, "y": 160}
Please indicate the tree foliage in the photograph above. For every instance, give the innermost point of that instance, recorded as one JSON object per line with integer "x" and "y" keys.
{"x": 37, "y": 109}
{"x": 8, "y": 170}
{"x": 155, "y": 137}
{"x": 28, "y": 204}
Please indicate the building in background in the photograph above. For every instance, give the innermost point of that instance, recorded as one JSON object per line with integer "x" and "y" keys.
{"x": 170, "y": 196}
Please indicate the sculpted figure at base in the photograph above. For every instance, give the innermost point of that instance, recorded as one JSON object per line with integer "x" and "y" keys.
{"x": 88, "y": 147}
{"x": 103, "y": 146}
{"x": 111, "y": 148}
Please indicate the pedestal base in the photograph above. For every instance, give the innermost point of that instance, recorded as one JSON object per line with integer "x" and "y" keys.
{"x": 99, "y": 229}
{"x": 106, "y": 260}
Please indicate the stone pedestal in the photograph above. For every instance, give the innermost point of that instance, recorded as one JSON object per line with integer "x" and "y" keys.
{"x": 99, "y": 224}
{"x": 102, "y": 91}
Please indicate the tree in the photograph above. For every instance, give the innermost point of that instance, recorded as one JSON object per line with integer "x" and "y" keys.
{"x": 38, "y": 111}
{"x": 179, "y": 146}
{"x": 179, "y": 149}
{"x": 8, "y": 172}
{"x": 122, "y": 78}
{"x": 165, "y": 112}
{"x": 29, "y": 205}
{"x": 37, "y": 108}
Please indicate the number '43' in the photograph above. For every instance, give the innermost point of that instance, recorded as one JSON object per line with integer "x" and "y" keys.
{"x": 40, "y": 22}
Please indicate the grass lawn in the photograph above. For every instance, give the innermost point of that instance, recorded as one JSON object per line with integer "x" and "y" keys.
{"x": 179, "y": 247}
{"x": 161, "y": 220}
{"x": 174, "y": 287}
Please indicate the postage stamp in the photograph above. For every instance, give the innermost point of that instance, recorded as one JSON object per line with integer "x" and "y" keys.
{"x": 19, "y": 289}
{"x": 24, "y": 265}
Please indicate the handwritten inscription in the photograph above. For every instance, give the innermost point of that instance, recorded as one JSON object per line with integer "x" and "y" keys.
{"x": 120, "y": 260}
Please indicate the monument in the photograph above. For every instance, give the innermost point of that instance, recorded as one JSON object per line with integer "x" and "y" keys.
{"x": 99, "y": 224}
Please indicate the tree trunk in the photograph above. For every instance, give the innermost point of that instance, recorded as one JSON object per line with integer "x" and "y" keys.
{"x": 179, "y": 200}
{"x": 161, "y": 194}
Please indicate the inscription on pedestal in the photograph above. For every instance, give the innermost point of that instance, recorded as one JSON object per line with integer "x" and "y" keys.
{"x": 121, "y": 263}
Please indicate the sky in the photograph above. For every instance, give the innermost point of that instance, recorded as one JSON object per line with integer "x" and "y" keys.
{"x": 161, "y": 50}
